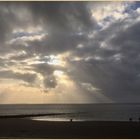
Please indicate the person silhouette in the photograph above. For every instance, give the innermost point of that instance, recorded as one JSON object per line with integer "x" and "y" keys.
{"x": 130, "y": 119}
{"x": 70, "y": 120}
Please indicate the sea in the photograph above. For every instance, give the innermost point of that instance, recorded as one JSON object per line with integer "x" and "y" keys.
{"x": 75, "y": 112}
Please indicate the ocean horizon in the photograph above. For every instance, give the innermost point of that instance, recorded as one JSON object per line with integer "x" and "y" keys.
{"x": 76, "y": 112}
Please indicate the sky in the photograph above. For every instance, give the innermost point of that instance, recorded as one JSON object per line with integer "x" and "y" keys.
{"x": 69, "y": 52}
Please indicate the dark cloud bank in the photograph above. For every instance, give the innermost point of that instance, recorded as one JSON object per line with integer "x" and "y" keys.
{"x": 113, "y": 68}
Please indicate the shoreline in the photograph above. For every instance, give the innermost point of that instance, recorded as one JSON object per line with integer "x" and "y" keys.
{"x": 26, "y": 128}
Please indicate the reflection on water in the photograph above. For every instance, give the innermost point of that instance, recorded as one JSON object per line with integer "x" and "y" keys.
{"x": 50, "y": 119}
{"x": 77, "y": 112}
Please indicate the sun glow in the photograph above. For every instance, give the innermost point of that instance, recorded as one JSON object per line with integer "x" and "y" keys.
{"x": 58, "y": 73}
{"x": 58, "y": 60}
{"x": 54, "y": 60}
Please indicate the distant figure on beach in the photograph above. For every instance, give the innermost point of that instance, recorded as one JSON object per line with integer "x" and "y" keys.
{"x": 70, "y": 120}
{"x": 130, "y": 119}
{"x": 139, "y": 119}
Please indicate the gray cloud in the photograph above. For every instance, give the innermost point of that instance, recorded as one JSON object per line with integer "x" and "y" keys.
{"x": 27, "y": 77}
{"x": 63, "y": 22}
{"x": 50, "y": 82}
{"x": 63, "y": 16}
{"x": 116, "y": 74}
{"x": 108, "y": 59}
{"x": 45, "y": 69}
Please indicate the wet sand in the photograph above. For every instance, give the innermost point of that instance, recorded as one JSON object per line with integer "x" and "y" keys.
{"x": 26, "y": 128}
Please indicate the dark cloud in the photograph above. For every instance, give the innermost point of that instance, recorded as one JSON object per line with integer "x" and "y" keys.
{"x": 66, "y": 23}
{"x": 46, "y": 69}
{"x": 27, "y": 77}
{"x": 116, "y": 74}
{"x": 10, "y": 20}
{"x": 5, "y": 17}
{"x": 63, "y": 16}
{"x": 108, "y": 59}
{"x": 50, "y": 82}
{"x": 58, "y": 43}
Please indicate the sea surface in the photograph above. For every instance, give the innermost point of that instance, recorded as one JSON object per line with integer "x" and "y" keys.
{"x": 76, "y": 112}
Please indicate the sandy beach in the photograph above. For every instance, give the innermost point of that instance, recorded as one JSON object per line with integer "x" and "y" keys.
{"x": 26, "y": 128}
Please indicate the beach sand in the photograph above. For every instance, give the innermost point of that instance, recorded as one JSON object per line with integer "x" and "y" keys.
{"x": 26, "y": 128}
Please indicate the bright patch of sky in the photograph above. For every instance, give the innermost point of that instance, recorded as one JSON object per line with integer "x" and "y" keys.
{"x": 109, "y": 12}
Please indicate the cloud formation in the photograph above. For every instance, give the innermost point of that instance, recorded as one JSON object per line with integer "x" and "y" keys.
{"x": 82, "y": 52}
